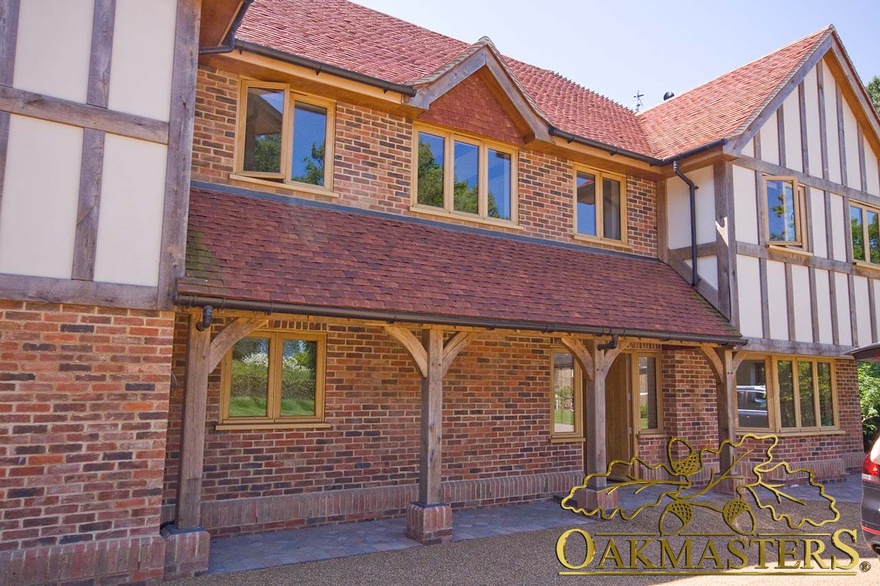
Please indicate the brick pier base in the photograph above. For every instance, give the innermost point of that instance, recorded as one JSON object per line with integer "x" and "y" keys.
{"x": 429, "y": 524}
{"x": 186, "y": 553}
{"x": 590, "y": 499}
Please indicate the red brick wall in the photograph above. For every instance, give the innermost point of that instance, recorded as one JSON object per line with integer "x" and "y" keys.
{"x": 373, "y": 162}
{"x": 496, "y": 421}
{"x": 83, "y": 413}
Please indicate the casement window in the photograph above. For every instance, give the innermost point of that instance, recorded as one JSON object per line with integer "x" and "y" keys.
{"x": 600, "y": 205}
{"x": 786, "y": 394}
{"x": 274, "y": 377}
{"x": 462, "y": 175}
{"x": 567, "y": 397}
{"x": 284, "y": 136}
{"x": 865, "y": 224}
{"x": 785, "y": 215}
{"x": 646, "y": 374}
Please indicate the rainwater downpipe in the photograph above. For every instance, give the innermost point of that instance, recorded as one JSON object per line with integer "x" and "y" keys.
{"x": 693, "y": 201}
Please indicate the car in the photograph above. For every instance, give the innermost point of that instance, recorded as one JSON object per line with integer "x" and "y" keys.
{"x": 752, "y": 405}
{"x": 871, "y": 497}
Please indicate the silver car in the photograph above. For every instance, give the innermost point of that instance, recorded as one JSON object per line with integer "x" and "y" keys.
{"x": 871, "y": 497}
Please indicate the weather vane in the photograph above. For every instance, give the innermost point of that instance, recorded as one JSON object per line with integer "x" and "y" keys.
{"x": 639, "y": 95}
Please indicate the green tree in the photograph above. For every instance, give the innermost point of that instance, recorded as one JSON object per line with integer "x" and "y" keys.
{"x": 430, "y": 177}
{"x": 873, "y": 88}
{"x": 869, "y": 398}
{"x": 314, "y": 166}
{"x": 266, "y": 154}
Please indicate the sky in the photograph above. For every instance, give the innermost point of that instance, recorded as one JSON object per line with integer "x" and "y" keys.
{"x": 651, "y": 46}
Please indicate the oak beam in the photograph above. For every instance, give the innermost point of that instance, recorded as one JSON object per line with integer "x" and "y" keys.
{"x": 454, "y": 346}
{"x": 430, "y": 458}
{"x": 9, "y": 10}
{"x": 413, "y": 346}
{"x": 229, "y": 336}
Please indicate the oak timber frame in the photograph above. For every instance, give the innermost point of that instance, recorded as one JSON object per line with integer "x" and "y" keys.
{"x": 725, "y": 362}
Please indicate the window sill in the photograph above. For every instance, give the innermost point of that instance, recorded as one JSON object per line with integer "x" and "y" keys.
{"x": 863, "y": 264}
{"x": 650, "y": 434}
{"x": 566, "y": 440}
{"x": 296, "y": 187}
{"x": 791, "y": 432}
{"x": 602, "y": 241}
{"x": 270, "y": 426}
{"x": 793, "y": 249}
{"x": 442, "y": 213}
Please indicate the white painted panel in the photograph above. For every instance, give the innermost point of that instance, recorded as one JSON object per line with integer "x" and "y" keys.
{"x": 872, "y": 168}
{"x": 823, "y": 307}
{"x": 863, "y": 310}
{"x": 143, "y": 53}
{"x": 803, "y": 306}
{"x": 749, "y": 149}
{"x": 777, "y": 305}
{"x": 745, "y": 205}
{"x": 707, "y": 268}
{"x": 844, "y": 326}
{"x": 678, "y": 203}
{"x": 851, "y": 138}
{"x": 54, "y": 47}
{"x": 838, "y": 226}
{"x": 132, "y": 203}
{"x": 831, "y": 127}
{"x": 793, "y": 154}
{"x": 817, "y": 212}
{"x": 749, "y": 289}
{"x": 679, "y": 215}
{"x": 814, "y": 138}
{"x": 40, "y": 198}
{"x": 770, "y": 140}
{"x": 705, "y": 180}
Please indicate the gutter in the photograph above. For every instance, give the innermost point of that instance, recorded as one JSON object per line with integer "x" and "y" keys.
{"x": 654, "y": 162}
{"x": 229, "y": 41}
{"x": 219, "y": 303}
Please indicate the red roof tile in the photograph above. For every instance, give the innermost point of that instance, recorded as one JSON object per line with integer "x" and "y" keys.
{"x": 262, "y": 249}
{"x": 725, "y": 106}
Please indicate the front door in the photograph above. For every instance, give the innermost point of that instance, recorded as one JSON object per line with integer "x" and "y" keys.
{"x": 618, "y": 424}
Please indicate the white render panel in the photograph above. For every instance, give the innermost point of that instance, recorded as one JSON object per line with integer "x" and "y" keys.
{"x": 792, "y": 131}
{"x": 748, "y": 149}
{"x": 749, "y": 288}
{"x": 823, "y": 307}
{"x": 814, "y": 137}
{"x": 707, "y": 268}
{"x": 839, "y": 223}
{"x": 843, "y": 316}
{"x": 679, "y": 216}
{"x": 705, "y": 180}
{"x": 54, "y": 47}
{"x": 851, "y": 138}
{"x": 817, "y": 211}
{"x": 678, "y": 203}
{"x": 40, "y": 198}
{"x": 863, "y": 310}
{"x": 831, "y": 126}
{"x": 143, "y": 53}
{"x": 872, "y": 168}
{"x": 777, "y": 305}
{"x": 770, "y": 140}
{"x": 803, "y": 309}
{"x": 745, "y": 205}
{"x": 132, "y": 204}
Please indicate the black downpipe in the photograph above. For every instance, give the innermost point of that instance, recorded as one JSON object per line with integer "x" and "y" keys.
{"x": 693, "y": 199}
{"x": 207, "y": 315}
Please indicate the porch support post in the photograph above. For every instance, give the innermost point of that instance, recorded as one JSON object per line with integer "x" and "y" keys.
{"x": 725, "y": 363}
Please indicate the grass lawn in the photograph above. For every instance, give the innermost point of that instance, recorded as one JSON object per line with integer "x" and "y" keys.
{"x": 256, "y": 407}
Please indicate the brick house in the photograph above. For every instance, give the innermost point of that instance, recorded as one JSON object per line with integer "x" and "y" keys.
{"x": 419, "y": 276}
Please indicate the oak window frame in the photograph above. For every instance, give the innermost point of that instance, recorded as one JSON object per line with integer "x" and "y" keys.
{"x": 599, "y": 204}
{"x": 577, "y": 398}
{"x": 799, "y": 212}
{"x": 871, "y": 254}
{"x": 635, "y": 386}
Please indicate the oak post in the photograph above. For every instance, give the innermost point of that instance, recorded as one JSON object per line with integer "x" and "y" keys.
{"x": 432, "y": 419}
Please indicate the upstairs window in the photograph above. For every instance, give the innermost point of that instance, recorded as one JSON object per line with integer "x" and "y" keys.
{"x": 284, "y": 136}
{"x": 785, "y": 224}
{"x": 865, "y": 223}
{"x": 600, "y": 205}
{"x": 462, "y": 175}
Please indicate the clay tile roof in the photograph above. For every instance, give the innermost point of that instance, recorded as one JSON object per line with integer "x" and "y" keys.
{"x": 725, "y": 106}
{"x": 272, "y": 249}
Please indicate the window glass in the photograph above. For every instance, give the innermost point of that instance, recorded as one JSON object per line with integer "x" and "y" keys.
{"x": 807, "y": 396}
{"x": 309, "y": 138}
{"x": 466, "y": 177}
{"x": 611, "y": 209}
{"x": 499, "y": 185}
{"x": 262, "y": 141}
{"x": 873, "y": 236}
{"x": 786, "y": 394}
{"x": 248, "y": 394}
{"x": 430, "y": 179}
{"x": 858, "y": 233}
{"x": 298, "y": 378}
{"x": 586, "y": 204}
{"x": 563, "y": 393}
{"x": 751, "y": 394}
{"x": 781, "y": 214}
{"x": 826, "y": 402}
{"x": 648, "y": 392}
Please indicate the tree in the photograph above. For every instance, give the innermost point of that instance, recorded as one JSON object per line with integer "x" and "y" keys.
{"x": 313, "y": 166}
{"x": 873, "y": 88}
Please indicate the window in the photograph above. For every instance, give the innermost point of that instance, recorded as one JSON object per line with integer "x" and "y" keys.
{"x": 797, "y": 394}
{"x": 567, "y": 397}
{"x": 600, "y": 205}
{"x": 283, "y": 136}
{"x": 785, "y": 223}
{"x": 647, "y": 377}
{"x": 465, "y": 176}
{"x": 274, "y": 377}
{"x": 865, "y": 224}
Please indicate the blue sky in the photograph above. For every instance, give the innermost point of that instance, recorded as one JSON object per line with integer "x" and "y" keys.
{"x": 616, "y": 48}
